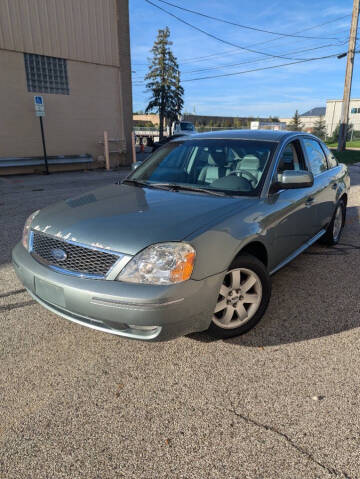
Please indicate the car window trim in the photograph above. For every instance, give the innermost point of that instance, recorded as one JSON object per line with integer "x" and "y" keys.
{"x": 276, "y": 158}
{"x": 322, "y": 144}
{"x": 265, "y": 192}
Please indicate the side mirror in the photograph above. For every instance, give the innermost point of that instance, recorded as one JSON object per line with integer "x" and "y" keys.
{"x": 135, "y": 165}
{"x": 291, "y": 179}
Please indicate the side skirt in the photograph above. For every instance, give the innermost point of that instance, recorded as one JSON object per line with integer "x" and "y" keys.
{"x": 298, "y": 251}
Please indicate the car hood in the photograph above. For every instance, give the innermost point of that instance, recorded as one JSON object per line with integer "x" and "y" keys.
{"x": 127, "y": 218}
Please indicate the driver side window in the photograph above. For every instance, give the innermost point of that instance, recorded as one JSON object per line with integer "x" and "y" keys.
{"x": 291, "y": 158}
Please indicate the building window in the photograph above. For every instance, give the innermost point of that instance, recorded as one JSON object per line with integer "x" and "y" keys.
{"x": 355, "y": 110}
{"x": 46, "y": 74}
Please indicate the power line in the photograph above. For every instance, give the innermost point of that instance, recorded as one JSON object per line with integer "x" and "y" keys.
{"x": 314, "y": 27}
{"x": 218, "y": 38}
{"x": 233, "y": 51}
{"x": 263, "y": 68}
{"x": 220, "y": 67}
{"x": 242, "y": 26}
{"x": 260, "y": 69}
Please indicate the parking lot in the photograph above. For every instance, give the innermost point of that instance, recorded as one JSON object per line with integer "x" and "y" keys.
{"x": 280, "y": 402}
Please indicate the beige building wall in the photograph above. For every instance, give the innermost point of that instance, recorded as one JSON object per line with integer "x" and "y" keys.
{"x": 153, "y": 118}
{"x": 333, "y": 114}
{"x": 73, "y": 123}
{"x": 308, "y": 122}
{"x": 93, "y": 36}
{"x": 83, "y": 30}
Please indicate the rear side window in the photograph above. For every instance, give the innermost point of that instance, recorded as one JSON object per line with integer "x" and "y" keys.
{"x": 316, "y": 156}
{"x": 332, "y": 161}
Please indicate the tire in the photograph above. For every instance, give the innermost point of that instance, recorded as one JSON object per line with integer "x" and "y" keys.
{"x": 234, "y": 316}
{"x": 336, "y": 225}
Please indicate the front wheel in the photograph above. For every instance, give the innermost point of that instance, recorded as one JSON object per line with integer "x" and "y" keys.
{"x": 243, "y": 298}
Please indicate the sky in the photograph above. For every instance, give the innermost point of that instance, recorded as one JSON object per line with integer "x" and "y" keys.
{"x": 276, "y": 92}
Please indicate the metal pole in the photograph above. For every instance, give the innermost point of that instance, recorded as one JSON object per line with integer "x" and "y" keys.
{"x": 348, "y": 78}
{"x": 133, "y": 147}
{"x": 106, "y": 150}
{"x": 44, "y": 146}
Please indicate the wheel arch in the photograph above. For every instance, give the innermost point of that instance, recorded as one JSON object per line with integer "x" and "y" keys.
{"x": 255, "y": 248}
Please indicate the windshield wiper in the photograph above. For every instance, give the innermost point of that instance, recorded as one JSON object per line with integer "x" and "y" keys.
{"x": 175, "y": 187}
{"x": 136, "y": 182}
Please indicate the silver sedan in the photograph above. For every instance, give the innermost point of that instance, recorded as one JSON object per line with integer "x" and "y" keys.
{"x": 189, "y": 240}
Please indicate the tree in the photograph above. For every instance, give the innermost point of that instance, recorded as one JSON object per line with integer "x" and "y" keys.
{"x": 335, "y": 136}
{"x": 163, "y": 81}
{"x": 176, "y": 102}
{"x": 319, "y": 129}
{"x": 295, "y": 124}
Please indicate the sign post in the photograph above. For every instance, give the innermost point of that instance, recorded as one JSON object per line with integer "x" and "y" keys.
{"x": 40, "y": 112}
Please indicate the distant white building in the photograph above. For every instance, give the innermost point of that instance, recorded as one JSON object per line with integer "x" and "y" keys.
{"x": 309, "y": 118}
{"x": 267, "y": 125}
{"x": 333, "y": 114}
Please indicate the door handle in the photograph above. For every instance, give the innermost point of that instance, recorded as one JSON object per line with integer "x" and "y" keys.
{"x": 309, "y": 201}
{"x": 334, "y": 186}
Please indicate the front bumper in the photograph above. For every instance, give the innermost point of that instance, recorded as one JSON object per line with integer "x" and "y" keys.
{"x": 117, "y": 307}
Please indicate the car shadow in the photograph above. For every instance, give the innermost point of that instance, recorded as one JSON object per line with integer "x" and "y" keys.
{"x": 316, "y": 295}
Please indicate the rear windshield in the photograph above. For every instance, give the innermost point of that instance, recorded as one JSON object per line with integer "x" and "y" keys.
{"x": 230, "y": 166}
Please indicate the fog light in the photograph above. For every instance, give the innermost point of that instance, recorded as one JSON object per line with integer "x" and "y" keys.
{"x": 143, "y": 328}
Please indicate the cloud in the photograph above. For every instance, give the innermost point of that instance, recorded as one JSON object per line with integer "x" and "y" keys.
{"x": 336, "y": 10}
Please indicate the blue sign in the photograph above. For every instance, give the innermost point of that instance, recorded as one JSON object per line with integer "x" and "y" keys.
{"x": 38, "y": 100}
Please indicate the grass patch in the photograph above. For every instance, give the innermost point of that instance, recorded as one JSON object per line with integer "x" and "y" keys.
{"x": 349, "y": 157}
{"x": 349, "y": 144}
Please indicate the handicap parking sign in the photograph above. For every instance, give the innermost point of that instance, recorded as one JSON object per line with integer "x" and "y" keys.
{"x": 38, "y": 100}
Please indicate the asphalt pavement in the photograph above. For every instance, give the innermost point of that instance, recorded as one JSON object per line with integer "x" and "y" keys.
{"x": 281, "y": 402}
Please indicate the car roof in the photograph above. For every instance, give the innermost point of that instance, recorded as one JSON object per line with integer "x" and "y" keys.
{"x": 269, "y": 135}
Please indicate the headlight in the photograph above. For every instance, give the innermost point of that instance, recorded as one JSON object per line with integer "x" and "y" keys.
{"x": 26, "y": 230}
{"x": 163, "y": 263}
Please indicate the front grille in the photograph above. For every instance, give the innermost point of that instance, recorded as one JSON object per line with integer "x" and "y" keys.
{"x": 79, "y": 259}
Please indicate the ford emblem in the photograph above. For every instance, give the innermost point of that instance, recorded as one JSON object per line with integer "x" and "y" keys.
{"x": 58, "y": 254}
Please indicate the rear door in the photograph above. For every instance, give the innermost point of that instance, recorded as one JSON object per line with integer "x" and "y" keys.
{"x": 334, "y": 177}
{"x": 324, "y": 191}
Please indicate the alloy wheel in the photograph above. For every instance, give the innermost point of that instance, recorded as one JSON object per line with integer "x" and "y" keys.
{"x": 239, "y": 298}
{"x": 338, "y": 222}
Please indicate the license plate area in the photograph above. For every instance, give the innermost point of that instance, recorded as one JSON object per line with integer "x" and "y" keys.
{"x": 50, "y": 292}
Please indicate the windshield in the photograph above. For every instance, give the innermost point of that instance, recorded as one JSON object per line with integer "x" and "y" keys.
{"x": 186, "y": 126}
{"x": 229, "y": 166}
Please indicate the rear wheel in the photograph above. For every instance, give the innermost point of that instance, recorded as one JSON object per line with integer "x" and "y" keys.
{"x": 334, "y": 230}
{"x": 242, "y": 299}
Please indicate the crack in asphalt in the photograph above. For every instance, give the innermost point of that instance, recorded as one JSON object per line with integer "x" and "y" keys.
{"x": 288, "y": 439}
{"x": 10, "y": 307}
{"x": 11, "y": 293}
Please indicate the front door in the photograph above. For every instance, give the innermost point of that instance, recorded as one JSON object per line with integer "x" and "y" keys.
{"x": 294, "y": 216}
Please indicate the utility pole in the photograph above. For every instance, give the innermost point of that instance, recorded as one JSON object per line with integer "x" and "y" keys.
{"x": 348, "y": 78}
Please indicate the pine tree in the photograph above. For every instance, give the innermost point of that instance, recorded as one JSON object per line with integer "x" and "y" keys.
{"x": 163, "y": 81}
{"x": 295, "y": 124}
{"x": 176, "y": 102}
{"x": 319, "y": 129}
